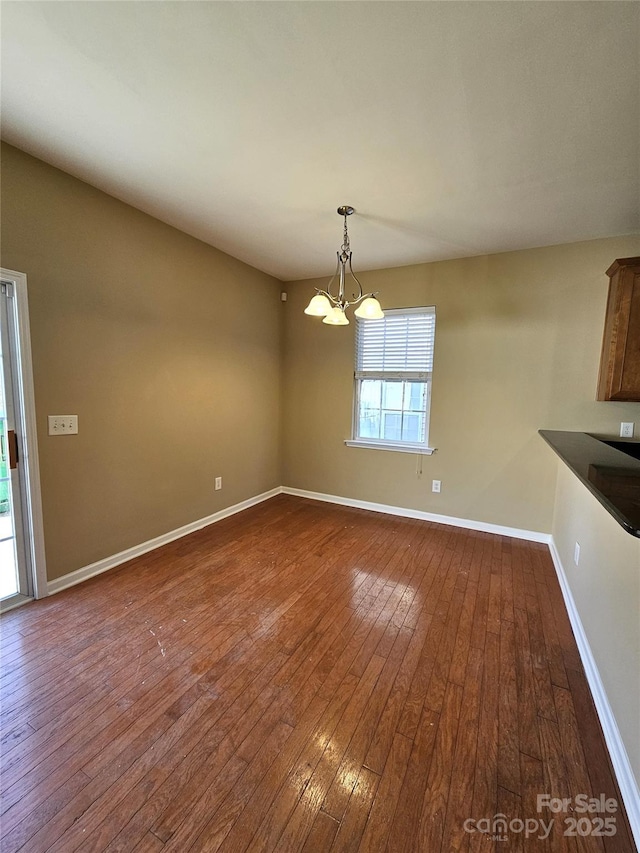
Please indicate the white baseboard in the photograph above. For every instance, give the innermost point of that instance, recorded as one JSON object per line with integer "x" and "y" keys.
{"x": 484, "y": 526}
{"x": 619, "y": 757}
{"x": 90, "y": 571}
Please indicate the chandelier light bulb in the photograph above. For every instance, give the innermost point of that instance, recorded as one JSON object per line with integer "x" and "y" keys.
{"x": 319, "y": 306}
{"x": 336, "y": 317}
{"x": 369, "y": 309}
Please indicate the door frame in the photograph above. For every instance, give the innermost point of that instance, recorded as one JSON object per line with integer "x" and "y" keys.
{"x": 28, "y": 447}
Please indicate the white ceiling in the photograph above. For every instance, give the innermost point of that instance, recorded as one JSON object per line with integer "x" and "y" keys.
{"x": 454, "y": 128}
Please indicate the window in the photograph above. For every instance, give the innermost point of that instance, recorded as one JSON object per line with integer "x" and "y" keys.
{"x": 394, "y": 363}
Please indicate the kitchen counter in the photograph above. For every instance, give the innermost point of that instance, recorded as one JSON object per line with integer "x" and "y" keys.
{"x": 610, "y": 474}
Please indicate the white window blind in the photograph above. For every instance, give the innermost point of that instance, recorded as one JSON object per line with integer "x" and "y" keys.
{"x": 398, "y": 347}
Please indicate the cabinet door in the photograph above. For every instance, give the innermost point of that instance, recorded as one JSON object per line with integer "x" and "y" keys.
{"x": 620, "y": 364}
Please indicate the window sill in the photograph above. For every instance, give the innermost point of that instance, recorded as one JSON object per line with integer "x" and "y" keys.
{"x": 399, "y": 448}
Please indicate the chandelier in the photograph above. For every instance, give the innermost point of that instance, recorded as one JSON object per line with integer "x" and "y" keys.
{"x": 332, "y": 308}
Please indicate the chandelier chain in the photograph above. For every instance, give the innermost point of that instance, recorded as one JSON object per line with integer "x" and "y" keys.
{"x": 346, "y": 246}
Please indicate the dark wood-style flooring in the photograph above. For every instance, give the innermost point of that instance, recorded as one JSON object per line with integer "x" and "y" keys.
{"x": 300, "y": 677}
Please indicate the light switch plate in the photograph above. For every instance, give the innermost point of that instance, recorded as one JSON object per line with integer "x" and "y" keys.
{"x": 63, "y": 424}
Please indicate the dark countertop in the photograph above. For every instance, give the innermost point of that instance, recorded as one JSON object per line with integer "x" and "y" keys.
{"x": 611, "y": 475}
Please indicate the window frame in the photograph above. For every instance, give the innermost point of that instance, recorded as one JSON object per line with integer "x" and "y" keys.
{"x": 386, "y": 443}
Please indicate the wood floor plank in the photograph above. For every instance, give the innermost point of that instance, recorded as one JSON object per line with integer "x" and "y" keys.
{"x": 149, "y": 844}
{"x": 495, "y": 588}
{"x": 355, "y": 817}
{"x": 417, "y": 691}
{"x": 485, "y": 785}
{"x": 532, "y": 785}
{"x": 435, "y": 558}
{"x": 300, "y": 677}
{"x": 460, "y": 797}
{"x": 528, "y": 737}
{"x": 434, "y": 806}
{"x": 322, "y": 834}
{"x": 556, "y": 781}
{"x": 552, "y": 643}
{"x": 510, "y": 804}
{"x": 378, "y": 826}
{"x": 539, "y": 662}
{"x": 406, "y": 818}
{"x": 481, "y": 560}
{"x": 508, "y": 729}
{"x": 434, "y": 697}
{"x": 462, "y": 642}
{"x": 506, "y": 581}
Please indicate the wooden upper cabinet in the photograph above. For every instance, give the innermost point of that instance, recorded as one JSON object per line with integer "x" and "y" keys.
{"x": 620, "y": 361}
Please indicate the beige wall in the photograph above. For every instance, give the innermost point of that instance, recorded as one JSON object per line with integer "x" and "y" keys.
{"x": 168, "y": 351}
{"x": 606, "y": 589}
{"x": 518, "y": 340}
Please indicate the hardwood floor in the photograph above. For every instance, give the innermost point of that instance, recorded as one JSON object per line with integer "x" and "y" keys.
{"x": 302, "y": 677}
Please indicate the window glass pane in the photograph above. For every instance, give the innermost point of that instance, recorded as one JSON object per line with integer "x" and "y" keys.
{"x": 370, "y": 390}
{"x": 370, "y": 424}
{"x": 392, "y": 395}
{"x": 415, "y": 396}
{"x": 413, "y": 428}
{"x": 369, "y": 415}
{"x": 392, "y": 426}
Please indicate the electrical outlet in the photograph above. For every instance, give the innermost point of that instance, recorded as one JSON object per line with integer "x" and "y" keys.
{"x": 576, "y": 553}
{"x": 435, "y": 485}
{"x": 626, "y": 430}
{"x": 218, "y": 483}
{"x": 63, "y": 424}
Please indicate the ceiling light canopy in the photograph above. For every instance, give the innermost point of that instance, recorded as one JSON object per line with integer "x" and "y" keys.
{"x": 332, "y": 308}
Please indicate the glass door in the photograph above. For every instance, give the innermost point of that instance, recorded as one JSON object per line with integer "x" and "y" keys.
{"x": 14, "y": 575}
